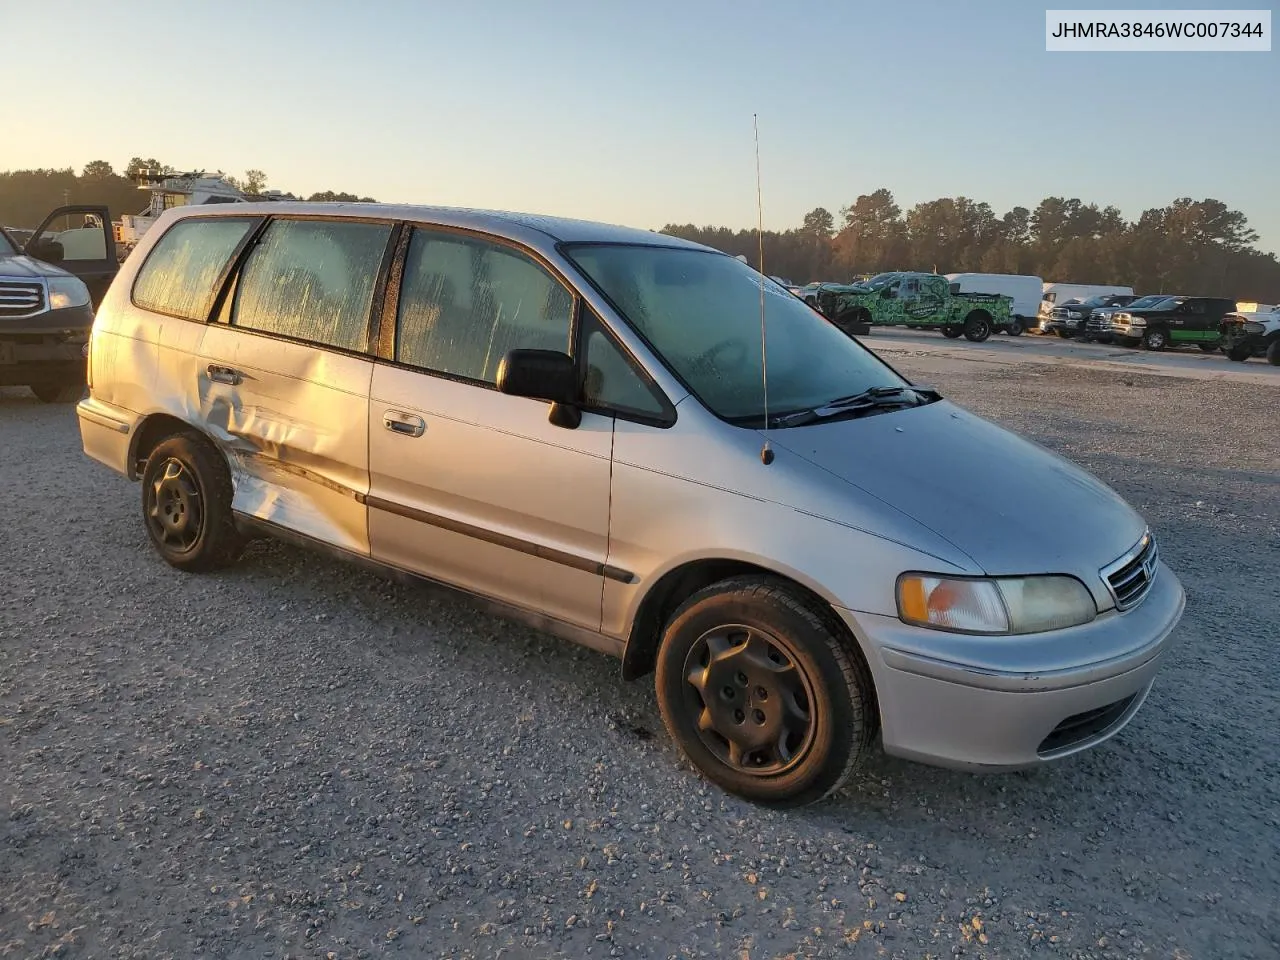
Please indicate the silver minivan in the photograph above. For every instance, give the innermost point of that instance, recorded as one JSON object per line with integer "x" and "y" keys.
{"x": 643, "y": 445}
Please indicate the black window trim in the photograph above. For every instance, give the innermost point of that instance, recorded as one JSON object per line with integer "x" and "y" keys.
{"x": 255, "y": 221}
{"x": 388, "y": 319}
{"x": 233, "y": 274}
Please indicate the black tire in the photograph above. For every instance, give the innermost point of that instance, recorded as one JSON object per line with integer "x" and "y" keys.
{"x": 1063, "y": 334}
{"x": 977, "y": 327}
{"x": 1155, "y": 339}
{"x": 58, "y": 392}
{"x": 951, "y": 333}
{"x": 186, "y": 504}
{"x": 823, "y": 679}
{"x": 1208, "y": 347}
{"x": 1240, "y": 352}
{"x": 1014, "y": 329}
{"x": 1273, "y": 352}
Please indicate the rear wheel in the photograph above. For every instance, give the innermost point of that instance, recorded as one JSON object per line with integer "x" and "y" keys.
{"x": 58, "y": 392}
{"x": 1155, "y": 339}
{"x": 758, "y": 686}
{"x": 1014, "y": 328}
{"x": 186, "y": 504}
{"x": 1208, "y": 347}
{"x": 977, "y": 327}
{"x": 1273, "y": 352}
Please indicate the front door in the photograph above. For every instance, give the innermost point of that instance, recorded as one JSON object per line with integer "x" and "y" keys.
{"x": 284, "y": 376}
{"x": 470, "y": 486}
{"x": 80, "y": 240}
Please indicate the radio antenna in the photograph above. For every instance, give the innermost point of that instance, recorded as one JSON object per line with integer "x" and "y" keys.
{"x": 766, "y": 452}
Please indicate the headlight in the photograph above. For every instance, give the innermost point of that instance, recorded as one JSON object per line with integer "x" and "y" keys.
{"x": 1253, "y": 326}
{"x": 1006, "y": 605}
{"x": 1137, "y": 322}
{"x": 1074, "y": 314}
{"x": 67, "y": 292}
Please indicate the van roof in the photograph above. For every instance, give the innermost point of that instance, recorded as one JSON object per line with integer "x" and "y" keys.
{"x": 529, "y": 228}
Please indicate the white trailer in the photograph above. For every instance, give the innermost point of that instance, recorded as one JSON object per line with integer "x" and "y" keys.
{"x": 1026, "y": 292}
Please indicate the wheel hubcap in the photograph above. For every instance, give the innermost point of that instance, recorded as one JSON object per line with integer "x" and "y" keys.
{"x": 751, "y": 700}
{"x": 174, "y": 509}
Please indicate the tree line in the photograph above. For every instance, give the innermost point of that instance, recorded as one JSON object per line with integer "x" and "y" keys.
{"x": 26, "y": 196}
{"x": 1191, "y": 247}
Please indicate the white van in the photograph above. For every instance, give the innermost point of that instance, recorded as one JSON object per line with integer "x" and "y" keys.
{"x": 1026, "y": 292}
{"x": 1056, "y": 293}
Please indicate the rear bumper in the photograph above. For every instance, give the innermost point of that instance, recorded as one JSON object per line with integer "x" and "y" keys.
{"x": 106, "y": 432}
{"x": 981, "y": 717}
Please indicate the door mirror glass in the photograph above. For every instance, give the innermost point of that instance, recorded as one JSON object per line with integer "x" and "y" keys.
{"x": 539, "y": 375}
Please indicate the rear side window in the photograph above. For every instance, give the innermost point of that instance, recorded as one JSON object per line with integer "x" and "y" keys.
{"x": 464, "y": 303}
{"x": 181, "y": 270}
{"x": 313, "y": 280}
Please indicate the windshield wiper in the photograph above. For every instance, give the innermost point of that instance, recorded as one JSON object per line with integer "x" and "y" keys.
{"x": 868, "y": 401}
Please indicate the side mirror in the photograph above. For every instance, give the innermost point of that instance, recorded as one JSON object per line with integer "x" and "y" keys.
{"x": 543, "y": 375}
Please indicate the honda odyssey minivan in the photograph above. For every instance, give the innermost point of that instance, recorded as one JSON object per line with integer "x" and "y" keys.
{"x": 583, "y": 427}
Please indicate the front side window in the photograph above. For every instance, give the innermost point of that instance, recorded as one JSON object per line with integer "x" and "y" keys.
{"x": 180, "y": 272}
{"x": 465, "y": 302}
{"x": 313, "y": 280}
{"x": 700, "y": 312}
{"x": 7, "y": 249}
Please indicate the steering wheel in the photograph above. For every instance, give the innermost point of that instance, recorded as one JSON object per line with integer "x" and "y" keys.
{"x": 735, "y": 352}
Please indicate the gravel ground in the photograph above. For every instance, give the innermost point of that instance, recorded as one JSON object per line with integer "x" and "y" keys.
{"x": 296, "y": 759}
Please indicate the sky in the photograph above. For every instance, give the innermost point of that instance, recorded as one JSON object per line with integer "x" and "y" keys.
{"x": 641, "y": 113}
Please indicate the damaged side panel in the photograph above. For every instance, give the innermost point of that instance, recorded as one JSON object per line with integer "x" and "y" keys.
{"x": 293, "y": 421}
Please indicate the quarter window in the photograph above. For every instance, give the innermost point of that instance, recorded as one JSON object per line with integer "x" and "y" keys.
{"x": 179, "y": 274}
{"x": 612, "y": 382}
{"x": 313, "y": 280}
{"x": 465, "y": 302}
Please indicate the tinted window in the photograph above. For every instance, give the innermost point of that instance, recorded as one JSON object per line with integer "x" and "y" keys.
{"x": 313, "y": 280}
{"x": 465, "y": 302}
{"x": 179, "y": 274}
{"x": 7, "y": 249}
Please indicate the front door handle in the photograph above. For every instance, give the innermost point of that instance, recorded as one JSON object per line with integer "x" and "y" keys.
{"x": 397, "y": 421}
{"x": 225, "y": 374}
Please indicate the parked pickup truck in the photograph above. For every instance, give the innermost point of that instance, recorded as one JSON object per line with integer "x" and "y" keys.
{"x": 1172, "y": 322}
{"x": 1069, "y": 320}
{"x": 924, "y": 300}
{"x": 1246, "y": 335}
{"x": 49, "y": 288}
{"x": 1098, "y": 325}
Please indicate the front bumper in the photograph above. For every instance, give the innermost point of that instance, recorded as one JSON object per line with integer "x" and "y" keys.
{"x": 47, "y": 348}
{"x": 1015, "y": 702}
{"x": 1070, "y": 327}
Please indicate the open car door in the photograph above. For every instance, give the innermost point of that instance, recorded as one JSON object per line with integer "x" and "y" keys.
{"x": 80, "y": 240}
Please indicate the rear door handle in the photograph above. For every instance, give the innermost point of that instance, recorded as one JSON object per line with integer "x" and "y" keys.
{"x": 397, "y": 421}
{"x": 225, "y": 375}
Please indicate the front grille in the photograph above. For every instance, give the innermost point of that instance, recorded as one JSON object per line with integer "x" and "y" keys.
{"x": 1083, "y": 727}
{"x": 1130, "y": 578}
{"x": 21, "y": 298}
{"x": 1059, "y": 313}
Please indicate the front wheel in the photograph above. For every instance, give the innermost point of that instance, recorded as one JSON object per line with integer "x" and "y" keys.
{"x": 1240, "y": 352}
{"x": 764, "y": 694}
{"x": 1155, "y": 339}
{"x": 1273, "y": 353}
{"x": 186, "y": 504}
{"x": 1014, "y": 328}
{"x": 951, "y": 333}
{"x": 1208, "y": 347}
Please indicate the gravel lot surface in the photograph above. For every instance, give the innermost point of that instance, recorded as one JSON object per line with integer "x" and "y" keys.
{"x": 296, "y": 759}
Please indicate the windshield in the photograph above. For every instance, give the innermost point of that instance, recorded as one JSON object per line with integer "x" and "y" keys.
{"x": 881, "y": 280}
{"x": 1095, "y": 302}
{"x": 1150, "y": 301}
{"x": 700, "y": 312}
{"x": 7, "y": 249}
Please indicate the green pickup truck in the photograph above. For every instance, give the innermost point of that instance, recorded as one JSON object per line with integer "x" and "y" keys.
{"x": 924, "y": 300}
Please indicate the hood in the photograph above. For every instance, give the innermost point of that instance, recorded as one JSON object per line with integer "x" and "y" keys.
{"x": 28, "y": 268}
{"x": 1009, "y": 504}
